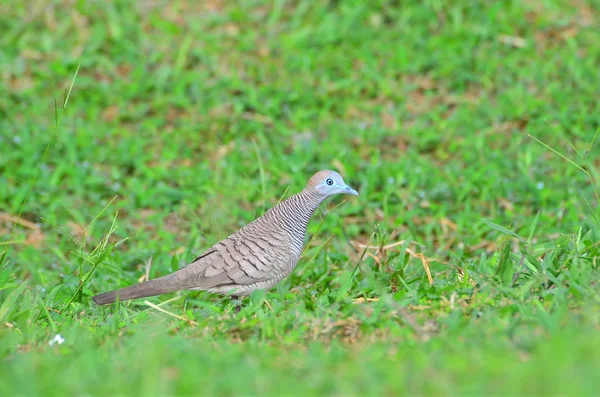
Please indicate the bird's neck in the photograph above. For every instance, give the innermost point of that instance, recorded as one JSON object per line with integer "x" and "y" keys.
{"x": 295, "y": 212}
{"x": 305, "y": 204}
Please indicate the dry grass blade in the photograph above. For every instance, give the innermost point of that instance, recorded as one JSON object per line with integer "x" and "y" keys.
{"x": 19, "y": 221}
{"x": 269, "y": 305}
{"x": 385, "y": 247}
{"x": 381, "y": 253}
{"x": 424, "y": 261}
{"x": 513, "y": 41}
{"x": 35, "y": 237}
{"x": 259, "y": 118}
{"x": 375, "y": 258}
{"x": 146, "y": 275}
{"x": 163, "y": 303}
{"x": 360, "y": 300}
{"x": 160, "y": 309}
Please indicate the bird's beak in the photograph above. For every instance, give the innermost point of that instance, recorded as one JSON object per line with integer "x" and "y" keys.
{"x": 349, "y": 190}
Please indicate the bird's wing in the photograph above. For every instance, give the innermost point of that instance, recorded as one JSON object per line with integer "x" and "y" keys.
{"x": 240, "y": 260}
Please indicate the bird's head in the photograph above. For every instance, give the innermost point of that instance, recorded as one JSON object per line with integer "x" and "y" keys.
{"x": 329, "y": 183}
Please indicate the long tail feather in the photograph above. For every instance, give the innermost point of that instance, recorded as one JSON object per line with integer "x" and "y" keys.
{"x": 148, "y": 288}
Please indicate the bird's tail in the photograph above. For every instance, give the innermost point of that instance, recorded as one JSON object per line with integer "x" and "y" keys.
{"x": 154, "y": 287}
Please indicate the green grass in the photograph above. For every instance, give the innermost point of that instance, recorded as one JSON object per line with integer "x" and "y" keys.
{"x": 187, "y": 121}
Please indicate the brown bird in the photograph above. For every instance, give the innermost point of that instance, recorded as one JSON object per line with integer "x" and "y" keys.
{"x": 257, "y": 256}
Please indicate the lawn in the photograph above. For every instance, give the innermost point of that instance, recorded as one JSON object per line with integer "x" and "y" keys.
{"x": 134, "y": 135}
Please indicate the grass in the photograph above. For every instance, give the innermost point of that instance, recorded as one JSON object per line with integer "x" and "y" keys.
{"x": 469, "y": 129}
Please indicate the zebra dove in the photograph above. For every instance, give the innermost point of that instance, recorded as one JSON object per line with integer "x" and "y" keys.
{"x": 257, "y": 256}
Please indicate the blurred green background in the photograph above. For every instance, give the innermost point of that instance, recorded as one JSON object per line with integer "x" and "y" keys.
{"x": 185, "y": 120}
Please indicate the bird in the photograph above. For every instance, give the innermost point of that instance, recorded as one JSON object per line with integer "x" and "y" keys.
{"x": 257, "y": 256}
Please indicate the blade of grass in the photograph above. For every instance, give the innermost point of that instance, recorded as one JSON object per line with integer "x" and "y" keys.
{"x": 503, "y": 230}
{"x": 558, "y": 153}
{"x": 533, "y": 227}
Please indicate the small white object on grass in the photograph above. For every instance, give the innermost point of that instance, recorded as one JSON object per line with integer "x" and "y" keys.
{"x": 57, "y": 340}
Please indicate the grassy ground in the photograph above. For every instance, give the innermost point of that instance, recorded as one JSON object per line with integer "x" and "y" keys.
{"x": 187, "y": 120}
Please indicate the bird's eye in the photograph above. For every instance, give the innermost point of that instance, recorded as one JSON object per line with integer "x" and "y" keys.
{"x": 329, "y": 181}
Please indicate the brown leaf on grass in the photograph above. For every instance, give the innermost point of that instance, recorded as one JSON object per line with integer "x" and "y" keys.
{"x": 352, "y": 220}
{"x": 423, "y": 82}
{"x": 222, "y": 151}
{"x": 184, "y": 163}
{"x": 264, "y": 51}
{"x": 31, "y": 54}
{"x": 395, "y": 143}
{"x": 504, "y": 203}
{"x": 558, "y": 34}
{"x": 389, "y": 121}
{"x": 222, "y": 110}
{"x": 513, "y": 41}
{"x": 231, "y": 29}
{"x": 124, "y": 70}
{"x": 509, "y": 127}
{"x": 211, "y": 5}
{"x": 110, "y": 113}
{"x": 100, "y": 76}
{"x": 417, "y": 103}
{"x": 353, "y": 112}
{"x": 448, "y": 224}
{"x": 22, "y": 83}
{"x": 79, "y": 20}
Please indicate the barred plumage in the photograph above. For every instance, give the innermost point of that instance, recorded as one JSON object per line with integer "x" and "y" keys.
{"x": 257, "y": 256}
